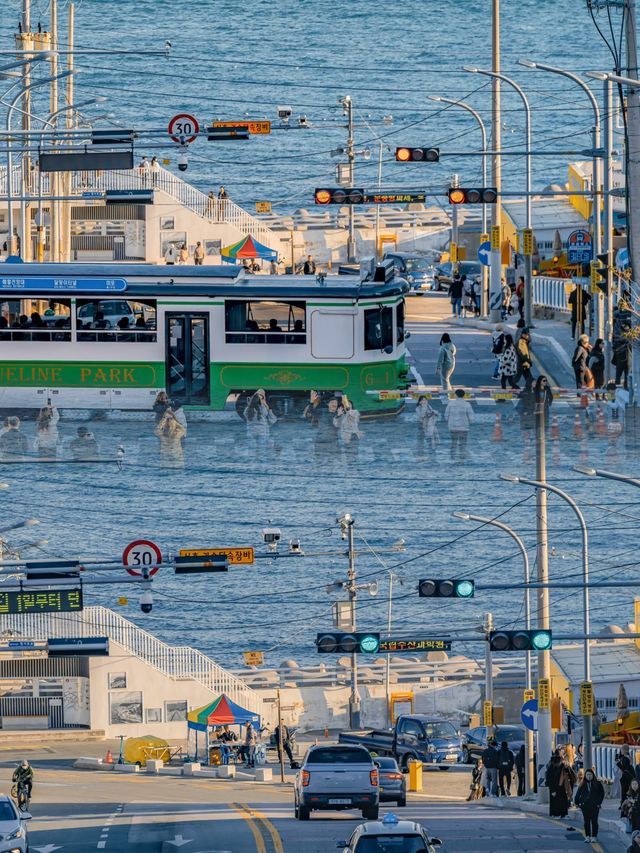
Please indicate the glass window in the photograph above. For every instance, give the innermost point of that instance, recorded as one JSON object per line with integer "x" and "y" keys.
{"x": 35, "y": 319}
{"x": 400, "y": 321}
{"x": 265, "y": 322}
{"x": 510, "y": 735}
{"x": 7, "y": 813}
{"x": 439, "y": 730}
{"x": 339, "y": 755}
{"x": 411, "y": 727}
{"x": 116, "y": 320}
{"x": 395, "y": 843}
{"x": 417, "y": 265}
{"x": 378, "y": 328}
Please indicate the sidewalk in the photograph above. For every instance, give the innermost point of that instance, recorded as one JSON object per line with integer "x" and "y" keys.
{"x": 611, "y": 839}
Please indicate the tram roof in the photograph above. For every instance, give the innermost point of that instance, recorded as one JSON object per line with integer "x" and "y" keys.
{"x": 161, "y": 280}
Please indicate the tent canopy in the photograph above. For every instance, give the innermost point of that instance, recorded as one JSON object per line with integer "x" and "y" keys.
{"x": 222, "y": 711}
{"x": 248, "y": 247}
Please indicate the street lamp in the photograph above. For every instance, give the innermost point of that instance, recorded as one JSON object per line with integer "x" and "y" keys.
{"x": 609, "y": 475}
{"x": 480, "y": 519}
{"x": 483, "y": 131}
{"x": 587, "y": 721}
{"x": 528, "y": 292}
{"x": 595, "y": 182}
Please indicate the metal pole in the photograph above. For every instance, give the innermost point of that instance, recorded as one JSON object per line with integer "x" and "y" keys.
{"x": 65, "y": 207}
{"x": 280, "y": 749}
{"x": 377, "y": 246}
{"x": 387, "y": 674}
{"x": 455, "y": 182}
{"x": 633, "y": 175}
{"x": 488, "y": 668}
{"x": 495, "y": 291}
{"x": 608, "y": 223}
{"x": 545, "y": 736}
{"x": 54, "y": 183}
{"x": 597, "y": 224}
{"x": 354, "y": 700}
{"x": 351, "y": 156}
{"x": 25, "y": 160}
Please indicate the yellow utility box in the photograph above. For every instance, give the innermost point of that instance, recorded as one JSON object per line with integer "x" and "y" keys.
{"x": 415, "y": 775}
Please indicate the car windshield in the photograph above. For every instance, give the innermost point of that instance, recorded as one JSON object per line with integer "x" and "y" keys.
{"x": 417, "y": 265}
{"x": 396, "y": 843}
{"x": 387, "y": 763}
{"x": 439, "y": 730}
{"x": 510, "y": 735}
{"x": 469, "y": 269}
{"x": 6, "y": 812}
{"x": 339, "y": 755}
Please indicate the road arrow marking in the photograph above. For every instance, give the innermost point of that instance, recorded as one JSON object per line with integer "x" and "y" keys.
{"x": 179, "y": 841}
{"x": 48, "y": 849}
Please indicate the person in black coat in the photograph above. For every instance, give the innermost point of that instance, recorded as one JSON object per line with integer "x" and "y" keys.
{"x": 580, "y": 361}
{"x": 634, "y": 847}
{"x": 490, "y": 761}
{"x": 506, "y": 761}
{"x": 589, "y": 797}
{"x": 520, "y": 770}
{"x": 560, "y": 780}
{"x": 623, "y": 762}
{"x": 597, "y": 363}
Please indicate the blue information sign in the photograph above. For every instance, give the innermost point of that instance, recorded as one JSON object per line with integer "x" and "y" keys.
{"x": 579, "y": 247}
{"x": 76, "y": 285}
{"x": 529, "y": 715}
{"x": 484, "y": 254}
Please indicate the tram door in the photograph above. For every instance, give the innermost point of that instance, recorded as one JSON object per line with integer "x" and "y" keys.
{"x": 187, "y": 356}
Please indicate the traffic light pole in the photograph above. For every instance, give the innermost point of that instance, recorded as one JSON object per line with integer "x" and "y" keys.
{"x": 488, "y": 668}
{"x": 495, "y": 274}
{"x": 351, "y": 157}
{"x": 354, "y": 699}
{"x": 608, "y": 223}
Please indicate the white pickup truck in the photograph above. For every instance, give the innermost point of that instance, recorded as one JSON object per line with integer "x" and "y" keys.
{"x": 337, "y": 777}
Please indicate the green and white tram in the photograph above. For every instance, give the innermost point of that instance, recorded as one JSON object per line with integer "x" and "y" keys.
{"x": 97, "y": 336}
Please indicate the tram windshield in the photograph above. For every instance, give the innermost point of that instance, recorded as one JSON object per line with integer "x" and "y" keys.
{"x": 35, "y": 319}
{"x": 116, "y": 320}
{"x": 265, "y": 322}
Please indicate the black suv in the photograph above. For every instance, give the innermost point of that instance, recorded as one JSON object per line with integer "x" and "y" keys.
{"x": 474, "y": 742}
{"x": 443, "y": 273}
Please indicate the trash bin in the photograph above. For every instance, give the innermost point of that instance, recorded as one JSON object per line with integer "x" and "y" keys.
{"x": 415, "y": 775}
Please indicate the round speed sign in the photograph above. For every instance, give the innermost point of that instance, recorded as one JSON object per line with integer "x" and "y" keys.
{"x": 183, "y": 127}
{"x": 140, "y": 556}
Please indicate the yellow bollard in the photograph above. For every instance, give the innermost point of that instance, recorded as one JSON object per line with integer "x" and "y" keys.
{"x": 415, "y": 775}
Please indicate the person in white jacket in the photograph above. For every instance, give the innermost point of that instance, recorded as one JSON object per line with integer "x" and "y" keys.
{"x": 47, "y": 431}
{"x": 459, "y": 417}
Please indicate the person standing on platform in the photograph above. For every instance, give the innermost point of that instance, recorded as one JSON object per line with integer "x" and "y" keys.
{"x": 589, "y": 797}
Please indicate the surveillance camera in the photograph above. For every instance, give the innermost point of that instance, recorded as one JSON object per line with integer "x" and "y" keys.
{"x": 295, "y": 547}
{"x": 183, "y": 162}
{"x": 285, "y": 113}
{"x": 146, "y": 601}
{"x": 303, "y": 121}
{"x": 271, "y": 535}
{"x": 167, "y": 45}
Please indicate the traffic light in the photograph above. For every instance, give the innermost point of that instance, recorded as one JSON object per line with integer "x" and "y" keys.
{"x": 520, "y": 641}
{"x": 339, "y": 195}
{"x": 446, "y": 588}
{"x": 418, "y": 155}
{"x": 360, "y": 642}
{"x": 600, "y": 274}
{"x": 473, "y": 195}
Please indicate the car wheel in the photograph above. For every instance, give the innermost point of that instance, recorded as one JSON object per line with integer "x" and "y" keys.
{"x": 405, "y": 762}
{"x": 466, "y": 756}
{"x": 436, "y": 285}
{"x": 402, "y": 802}
{"x": 295, "y": 808}
{"x": 444, "y": 768}
{"x": 371, "y": 813}
{"x": 304, "y": 812}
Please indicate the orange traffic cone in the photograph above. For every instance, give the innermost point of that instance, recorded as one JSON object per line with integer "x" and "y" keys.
{"x": 555, "y": 428}
{"x": 601, "y": 426}
{"x": 326, "y": 732}
{"x": 497, "y": 429}
{"x": 108, "y": 759}
{"x": 578, "y": 432}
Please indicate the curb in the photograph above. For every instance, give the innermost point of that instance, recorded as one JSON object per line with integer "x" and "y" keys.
{"x": 564, "y": 357}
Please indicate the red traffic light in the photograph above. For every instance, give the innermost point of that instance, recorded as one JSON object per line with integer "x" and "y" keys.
{"x": 457, "y": 196}
{"x": 417, "y": 155}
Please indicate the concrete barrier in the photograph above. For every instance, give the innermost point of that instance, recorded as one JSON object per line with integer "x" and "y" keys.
{"x": 264, "y": 774}
{"x": 154, "y": 765}
{"x": 92, "y": 764}
{"x": 226, "y": 771}
{"x": 190, "y": 769}
{"x": 126, "y": 768}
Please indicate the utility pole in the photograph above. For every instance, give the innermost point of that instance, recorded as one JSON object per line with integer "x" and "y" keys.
{"x": 488, "y": 668}
{"x": 65, "y": 206}
{"x": 495, "y": 289}
{"x": 54, "y": 183}
{"x": 633, "y": 174}
{"x": 376, "y": 251}
{"x": 608, "y": 221}
{"x": 351, "y": 158}
{"x": 455, "y": 182}
{"x": 25, "y": 41}
{"x": 347, "y": 523}
{"x": 545, "y": 741}
{"x": 280, "y": 749}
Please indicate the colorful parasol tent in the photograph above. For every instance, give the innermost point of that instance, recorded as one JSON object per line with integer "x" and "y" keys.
{"x": 248, "y": 247}
{"x": 222, "y": 711}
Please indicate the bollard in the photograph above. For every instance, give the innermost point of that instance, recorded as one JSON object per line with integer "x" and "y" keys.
{"x": 578, "y": 432}
{"x": 555, "y": 428}
{"x": 415, "y": 775}
{"x": 601, "y": 426}
{"x": 497, "y": 429}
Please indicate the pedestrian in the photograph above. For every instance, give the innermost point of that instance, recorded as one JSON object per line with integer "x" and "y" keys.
{"x": 250, "y": 743}
{"x": 514, "y": 303}
{"x": 508, "y": 363}
{"x": 154, "y": 168}
{"x": 520, "y": 325}
{"x": 523, "y": 352}
{"x": 178, "y": 413}
{"x": 212, "y": 203}
{"x": 455, "y": 296}
{"x": 520, "y": 764}
{"x": 143, "y": 171}
{"x": 170, "y": 255}
{"x": 560, "y": 779}
{"x": 183, "y": 254}
{"x": 623, "y": 763}
{"x": 198, "y": 254}
{"x": 520, "y": 293}
{"x": 46, "y": 443}
{"x": 589, "y": 799}
{"x": 477, "y": 296}
{"x": 13, "y": 442}
{"x": 597, "y": 365}
{"x": 580, "y": 363}
{"x": 446, "y": 363}
{"x": 283, "y": 742}
{"x": 222, "y": 193}
{"x": 497, "y": 344}
{"x": 630, "y": 807}
{"x": 309, "y": 266}
{"x": 505, "y": 291}
{"x": 490, "y": 762}
{"x": 427, "y": 418}
{"x": 259, "y": 418}
{"x": 273, "y": 267}
{"x": 160, "y": 405}
{"x": 468, "y": 301}
{"x": 326, "y": 438}
{"x": 459, "y": 417}
{"x": 634, "y": 847}
{"x": 84, "y": 446}
{"x": 506, "y": 761}
{"x": 347, "y": 422}
{"x": 476, "y": 786}
{"x": 578, "y": 300}
{"x": 170, "y": 433}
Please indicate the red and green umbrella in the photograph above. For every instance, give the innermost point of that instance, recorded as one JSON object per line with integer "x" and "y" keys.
{"x": 222, "y": 711}
{"x": 248, "y": 247}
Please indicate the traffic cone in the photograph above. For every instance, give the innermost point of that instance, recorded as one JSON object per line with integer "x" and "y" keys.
{"x": 497, "y": 429}
{"x": 601, "y": 426}
{"x": 108, "y": 759}
{"x": 578, "y": 432}
{"x": 555, "y": 428}
{"x": 326, "y": 732}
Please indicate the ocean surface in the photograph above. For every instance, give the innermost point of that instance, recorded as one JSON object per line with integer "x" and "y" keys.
{"x": 232, "y": 60}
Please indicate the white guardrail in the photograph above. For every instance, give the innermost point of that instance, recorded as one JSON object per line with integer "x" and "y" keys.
{"x": 179, "y": 662}
{"x": 604, "y": 757}
{"x": 551, "y": 292}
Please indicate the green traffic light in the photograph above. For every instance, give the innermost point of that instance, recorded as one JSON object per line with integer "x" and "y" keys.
{"x": 465, "y": 589}
{"x": 369, "y": 644}
{"x": 541, "y": 641}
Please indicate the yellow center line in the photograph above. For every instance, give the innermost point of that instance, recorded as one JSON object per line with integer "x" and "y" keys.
{"x": 246, "y": 814}
{"x": 273, "y": 832}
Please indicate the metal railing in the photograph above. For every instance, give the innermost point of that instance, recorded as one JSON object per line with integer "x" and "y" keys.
{"x": 604, "y": 757}
{"x": 177, "y": 662}
{"x": 551, "y": 292}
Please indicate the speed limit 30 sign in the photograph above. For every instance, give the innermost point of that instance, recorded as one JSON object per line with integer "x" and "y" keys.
{"x": 142, "y": 556}
{"x": 183, "y": 128}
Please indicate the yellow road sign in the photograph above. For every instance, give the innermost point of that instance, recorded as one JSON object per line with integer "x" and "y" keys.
{"x": 587, "y": 703}
{"x": 263, "y": 207}
{"x": 529, "y": 694}
{"x": 496, "y": 238}
{"x": 484, "y": 238}
{"x": 453, "y": 252}
{"x": 527, "y": 241}
{"x": 487, "y": 713}
{"x": 254, "y": 127}
{"x": 253, "y": 658}
{"x": 235, "y": 556}
{"x": 544, "y": 694}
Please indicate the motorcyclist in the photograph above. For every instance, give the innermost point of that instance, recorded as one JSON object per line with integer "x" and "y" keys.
{"x": 23, "y": 775}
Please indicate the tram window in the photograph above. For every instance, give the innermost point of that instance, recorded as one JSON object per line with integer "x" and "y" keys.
{"x": 400, "y": 321}
{"x": 116, "y": 320}
{"x": 378, "y": 328}
{"x": 265, "y": 322}
{"x": 35, "y": 319}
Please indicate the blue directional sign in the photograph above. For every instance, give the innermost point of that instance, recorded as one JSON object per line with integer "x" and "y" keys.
{"x": 622, "y": 259}
{"x": 484, "y": 254}
{"x": 76, "y": 285}
{"x": 579, "y": 247}
{"x": 529, "y": 715}
{"x": 93, "y": 194}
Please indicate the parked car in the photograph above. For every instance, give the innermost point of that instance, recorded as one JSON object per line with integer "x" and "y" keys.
{"x": 389, "y": 835}
{"x": 393, "y": 782}
{"x": 432, "y": 740}
{"x": 13, "y": 832}
{"x": 443, "y": 273}
{"x": 417, "y": 270}
{"x": 474, "y": 742}
{"x": 337, "y": 777}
